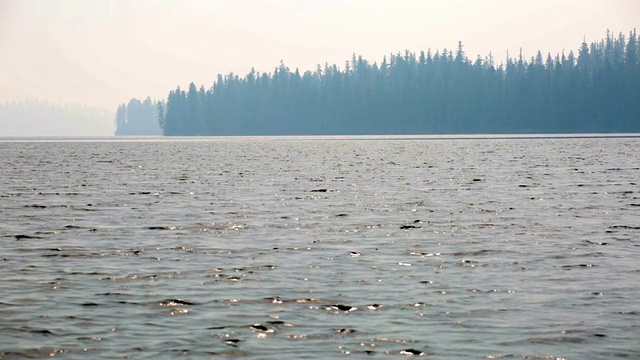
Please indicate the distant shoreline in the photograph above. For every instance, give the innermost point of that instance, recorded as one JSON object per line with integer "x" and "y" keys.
{"x": 121, "y": 138}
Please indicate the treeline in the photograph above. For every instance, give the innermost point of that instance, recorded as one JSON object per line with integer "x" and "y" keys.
{"x": 42, "y": 118}
{"x": 596, "y": 89}
{"x": 138, "y": 118}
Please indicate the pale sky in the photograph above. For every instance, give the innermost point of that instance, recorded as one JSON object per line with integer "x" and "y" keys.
{"x": 104, "y": 52}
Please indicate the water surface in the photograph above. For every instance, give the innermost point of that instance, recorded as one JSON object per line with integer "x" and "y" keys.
{"x": 320, "y": 248}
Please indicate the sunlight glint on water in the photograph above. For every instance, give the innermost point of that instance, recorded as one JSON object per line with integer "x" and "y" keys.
{"x": 452, "y": 249}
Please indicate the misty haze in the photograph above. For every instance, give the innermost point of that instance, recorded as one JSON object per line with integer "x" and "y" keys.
{"x": 288, "y": 179}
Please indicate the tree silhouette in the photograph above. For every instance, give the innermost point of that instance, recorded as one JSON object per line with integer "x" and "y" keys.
{"x": 441, "y": 92}
{"x": 139, "y": 118}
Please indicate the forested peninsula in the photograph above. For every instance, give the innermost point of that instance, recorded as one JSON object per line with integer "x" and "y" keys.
{"x": 595, "y": 90}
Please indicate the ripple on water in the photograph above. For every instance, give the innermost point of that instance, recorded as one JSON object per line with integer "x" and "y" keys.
{"x": 258, "y": 248}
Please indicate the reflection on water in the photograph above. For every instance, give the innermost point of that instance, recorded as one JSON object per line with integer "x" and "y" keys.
{"x": 300, "y": 248}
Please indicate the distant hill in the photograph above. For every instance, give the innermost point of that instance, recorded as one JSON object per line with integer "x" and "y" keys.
{"x": 41, "y": 118}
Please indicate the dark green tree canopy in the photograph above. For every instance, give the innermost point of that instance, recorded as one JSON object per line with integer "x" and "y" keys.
{"x": 441, "y": 92}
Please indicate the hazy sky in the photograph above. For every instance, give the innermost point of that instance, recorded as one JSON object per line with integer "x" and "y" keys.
{"x": 104, "y": 52}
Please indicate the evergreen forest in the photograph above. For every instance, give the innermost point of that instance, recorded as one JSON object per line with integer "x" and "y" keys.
{"x": 138, "y": 118}
{"x": 595, "y": 89}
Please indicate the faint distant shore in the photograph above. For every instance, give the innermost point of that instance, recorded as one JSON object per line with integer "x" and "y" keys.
{"x": 36, "y": 118}
{"x": 159, "y": 138}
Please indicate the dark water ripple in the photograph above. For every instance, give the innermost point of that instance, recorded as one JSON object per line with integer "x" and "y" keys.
{"x": 272, "y": 249}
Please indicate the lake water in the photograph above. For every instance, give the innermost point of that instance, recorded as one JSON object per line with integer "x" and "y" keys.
{"x": 288, "y": 248}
